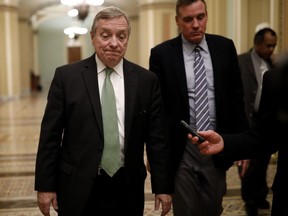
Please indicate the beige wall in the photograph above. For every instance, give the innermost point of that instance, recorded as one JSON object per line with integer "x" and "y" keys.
{"x": 283, "y": 23}
{"x": 157, "y": 24}
{"x": 132, "y": 53}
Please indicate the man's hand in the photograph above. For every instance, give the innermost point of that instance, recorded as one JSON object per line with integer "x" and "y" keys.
{"x": 165, "y": 200}
{"x": 44, "y": 200}
{"x": 213, "y": 143}
{"x": 242, "y": 166}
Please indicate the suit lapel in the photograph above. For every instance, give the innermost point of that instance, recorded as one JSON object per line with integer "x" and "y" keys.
{"x": 91, "y": 80}
{"x": 216, "y": 54}
{"x": 179, "y": 69}
{"x": 130, "y": 86}
{"x": 250, "y": 67}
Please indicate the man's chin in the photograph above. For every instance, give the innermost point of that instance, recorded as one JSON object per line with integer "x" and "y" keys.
{"x": 196, "y": 39}
{"x": 112, "y": 60}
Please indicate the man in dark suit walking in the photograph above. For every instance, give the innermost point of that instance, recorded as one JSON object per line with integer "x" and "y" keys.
{"x": 253, "y": 64}
{"x": 71, "y": 173}
{"x": 200, "y": 181}
{"x": 269, "y": 134}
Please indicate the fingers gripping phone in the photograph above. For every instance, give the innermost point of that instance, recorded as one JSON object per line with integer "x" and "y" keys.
{"x": 191, "y": 131}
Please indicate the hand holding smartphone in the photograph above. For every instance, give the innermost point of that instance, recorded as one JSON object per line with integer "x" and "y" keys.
{"x": 191, "y": 131}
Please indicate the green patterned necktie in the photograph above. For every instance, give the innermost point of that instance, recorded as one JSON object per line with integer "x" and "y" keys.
{"x": 111, "y": 158}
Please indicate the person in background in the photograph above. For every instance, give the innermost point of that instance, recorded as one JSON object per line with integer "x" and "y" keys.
{"x": 268, "y": 135}
{"x": 74, "y": 173}
{"x": 200, "y": 181}
{"x": 253, "y": 64}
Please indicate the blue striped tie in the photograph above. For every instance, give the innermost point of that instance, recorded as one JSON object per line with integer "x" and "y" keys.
{"x": 201, "y": 90}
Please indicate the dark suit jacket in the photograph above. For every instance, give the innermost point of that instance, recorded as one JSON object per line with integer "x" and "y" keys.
{"x": 250, "y": 84}
{"x": 71, "y": 139}
{"x": 167, "y": 61}
{"x": 269, "y": 135}
{"x": 249, "y": 80}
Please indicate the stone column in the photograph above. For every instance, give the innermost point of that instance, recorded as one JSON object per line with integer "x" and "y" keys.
{"x": 26, "y": 55}
{"x": 156, "y": 24}
{"x": 9, "y": 50}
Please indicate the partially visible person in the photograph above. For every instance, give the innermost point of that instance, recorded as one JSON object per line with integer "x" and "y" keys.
{"x": 200, "y": 182}
{"x": 268, "y": 136}
{"x": 71, "y": 175}
{"x": 253, "y": 64}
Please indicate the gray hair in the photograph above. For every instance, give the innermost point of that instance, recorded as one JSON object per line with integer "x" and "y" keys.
{"x": 109, "y": 13}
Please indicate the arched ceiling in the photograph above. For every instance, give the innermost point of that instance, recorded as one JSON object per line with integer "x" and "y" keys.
{"x": 40, "y": 11}
{"x": 27, "y": 8}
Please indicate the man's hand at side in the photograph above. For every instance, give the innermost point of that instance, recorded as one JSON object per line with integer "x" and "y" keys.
{"x": 45, "y": 200}
{"x": 165, "y": 200}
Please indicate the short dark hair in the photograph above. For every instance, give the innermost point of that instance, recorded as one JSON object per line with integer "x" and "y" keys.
{"x": 259, "y": 36}
{"x": 181, "y": 3}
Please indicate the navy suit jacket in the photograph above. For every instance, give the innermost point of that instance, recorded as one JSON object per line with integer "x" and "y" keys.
{"x": 167, "y": 61}
{"x": 71, "y": 139}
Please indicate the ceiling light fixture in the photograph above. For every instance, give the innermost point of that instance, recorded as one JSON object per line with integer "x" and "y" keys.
{"x": 81, "y": 11}
{"x": 73, "y": 12}
{"x": 79, "y": 2}
{"x": 76, "y": 30}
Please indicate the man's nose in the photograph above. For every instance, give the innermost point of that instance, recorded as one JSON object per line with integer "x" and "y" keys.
{"x": 195, "y": 23}
{"x": 113, "y": 41}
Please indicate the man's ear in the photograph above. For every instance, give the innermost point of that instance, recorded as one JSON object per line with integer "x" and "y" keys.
{"x": 91, "y": 35}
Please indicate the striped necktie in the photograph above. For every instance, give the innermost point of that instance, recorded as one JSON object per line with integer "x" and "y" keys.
{"x": 111, "y": 157}
{"x": 201, "y": 90}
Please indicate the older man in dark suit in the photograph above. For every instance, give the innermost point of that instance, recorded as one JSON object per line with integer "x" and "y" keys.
{"x": 73, "y": 173}
{"x": 200, "y": 182}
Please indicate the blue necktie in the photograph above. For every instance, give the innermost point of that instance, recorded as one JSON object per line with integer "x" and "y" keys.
{"x": 201, "y": 91}
{"x": 111, "y": 157}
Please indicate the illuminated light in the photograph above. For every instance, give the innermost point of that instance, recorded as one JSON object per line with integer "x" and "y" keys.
{"x": 73, "y": 12}
{"x": 71, "y": 2}
{"x": 75, "y": 30}
{"x": 78, "y": 2}
{"x": 72, "y": 35}
{"x": 95, "y": 2}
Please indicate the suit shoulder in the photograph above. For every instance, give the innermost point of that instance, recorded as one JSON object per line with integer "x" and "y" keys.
{"x": 217, "y": 37}
{"x": 75, "y": 64}
{"x": 218, "y": 40}
{"x": 76, "y": 68}
{"x": 139, "y": 69}
{"x": 166, "y": 44}
{"x": 244, "y": 55}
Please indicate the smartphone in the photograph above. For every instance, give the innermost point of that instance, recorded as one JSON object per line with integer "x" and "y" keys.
{"x": 191, "y": 131}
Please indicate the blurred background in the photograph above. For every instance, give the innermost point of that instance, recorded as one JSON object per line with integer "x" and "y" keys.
{"x": 33, "y": 42}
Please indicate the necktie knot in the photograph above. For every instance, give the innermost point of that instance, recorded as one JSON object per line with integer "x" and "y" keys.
{"x": 197, "y": 49}
{"x": 109, "y": 71}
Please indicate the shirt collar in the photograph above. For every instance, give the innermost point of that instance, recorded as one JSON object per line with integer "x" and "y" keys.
{"x": 101, "y": 66}
{"x": 189, "y": 47}
{"x": 256, "y": 56}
